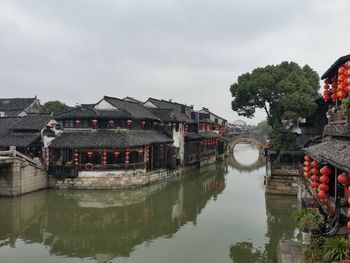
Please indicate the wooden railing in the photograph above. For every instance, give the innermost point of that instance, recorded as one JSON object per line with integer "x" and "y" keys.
{"x": 339, "y": 118}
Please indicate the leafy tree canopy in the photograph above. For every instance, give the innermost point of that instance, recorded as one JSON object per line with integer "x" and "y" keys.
{"x": 263, "y": 127}
{"x": 284, "y": 91}
{"x": 55, "y": 106}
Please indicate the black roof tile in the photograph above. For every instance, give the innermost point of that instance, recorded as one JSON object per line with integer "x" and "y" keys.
{"x": 18, "y": 139}
{"x": 15, "y": 104}
{"x": 171, "y": 115}
{"x": 31, "y": 122}
{"x": 333, "y": 70}
{"x": 119, "y": 138}
{"x": 136, "y": 110}
{"x": 90, "y": 112}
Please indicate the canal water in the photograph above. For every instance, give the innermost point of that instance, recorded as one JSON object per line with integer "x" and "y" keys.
{"x": 217, "y": 214}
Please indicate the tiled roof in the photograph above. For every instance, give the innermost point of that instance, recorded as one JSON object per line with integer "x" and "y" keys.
{"x": 163, "y": 104}
{"x": 136, "y": 110}
{"x": 202, "y": 135}
{"x": 15, "y": 104}
{"x": 6, "y": 123}
{"x": 209, "y": 112}
{"x": 334, "y": 152}
{"x": 121, "y": 138}
{"x": 18, "y": 139}
{"x": 171, "y": 115}
{"x": 333, "y": 70}
{"x": 31, "y": 122}
{"x": 89, "y": 112}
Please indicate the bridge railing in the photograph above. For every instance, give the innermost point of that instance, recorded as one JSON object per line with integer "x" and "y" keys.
{"x": 12, "y": 153}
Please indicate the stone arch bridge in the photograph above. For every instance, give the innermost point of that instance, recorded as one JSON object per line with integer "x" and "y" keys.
{"x": 258, "y": 139}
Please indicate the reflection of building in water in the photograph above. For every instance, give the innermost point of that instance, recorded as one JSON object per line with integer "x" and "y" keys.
{"x": 104, "y": 225}
{"x": 280, "y": 226}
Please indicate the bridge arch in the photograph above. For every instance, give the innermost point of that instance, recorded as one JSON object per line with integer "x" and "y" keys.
{"x": 257, "y": 139}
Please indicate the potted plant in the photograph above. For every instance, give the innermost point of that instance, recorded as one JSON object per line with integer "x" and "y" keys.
{"x": 307, "y": 221}
{"x": 336, "y": 249}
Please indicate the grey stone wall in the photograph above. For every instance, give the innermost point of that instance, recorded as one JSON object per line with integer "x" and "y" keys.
{"x": 20, "y": 177}
{"x": 283, "y": 180}
{"x": 103, "y": 180}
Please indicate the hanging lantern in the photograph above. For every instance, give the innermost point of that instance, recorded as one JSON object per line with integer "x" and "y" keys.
{"x": 315, "y": 164}
{"x": 155, "y": 124}
{"x": 306, "y": 168}
{"x": 306, "y": 174}
{"x": 341, "y": 70}
{"x": 140, "y": 152}
{"x": 326, "y": 86}
{"x": 347, "y": 89}
{"x": 325, "y": 97}
{"x": 94, "y": 122}
{"x": 343, "y": 178}
{"x": 129, "y": 122}
{"x": 314, "y": 178}
{"x": 323, "y": 187}
{"x": 77, "y": 123}
{"x": 348, "y": 225}
{"x": 324, "y": 179}
{"x": 143, "y": 124}
{"x": 341, "y": 94}
{"x": 116, "y": 154}
{"x": 89, "y": 154}
{"x": 104, "y": 156}
{"x": 306, "y": 163}
{"x": 341, "y": 79}
{"x": 76, "y": 155}
{"x": 347, "y": 65}
{"x": 314, "y": 171}
{"x": 341, "y": 86}
{"x": 307, "y": 158}
{"x": 111, "y": 123}
{"x": 327, "y": 81}
{"x": 314, "y": 185}
{"x": 322, "y": 195}
{"x": 325, "y": 170}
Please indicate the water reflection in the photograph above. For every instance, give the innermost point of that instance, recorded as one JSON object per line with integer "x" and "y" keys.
{"x": 279, "y": 226}
{"x": 217, "y": 214}
{"x": 107, "y": 224}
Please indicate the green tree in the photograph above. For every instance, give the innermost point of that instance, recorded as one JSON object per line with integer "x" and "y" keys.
{"x": 285, "y": 91}
{"x": 263, "y": 127}
{"x": 55, "y": 106}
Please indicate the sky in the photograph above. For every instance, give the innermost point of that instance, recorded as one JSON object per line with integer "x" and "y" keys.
{"x": 190, "y": 51}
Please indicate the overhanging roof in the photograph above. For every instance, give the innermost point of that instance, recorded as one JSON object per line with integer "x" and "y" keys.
{"x": 334, "y": 152}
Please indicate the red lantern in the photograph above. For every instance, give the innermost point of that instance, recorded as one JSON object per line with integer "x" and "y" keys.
{"x": 347, "y": 89}
{"x": 341, "y": 79}
{"x": 94, "y": 122}
{"x": 306, "y": 168}
{"x": 341, "y": 86}
{"x": 306, "y": 174}
{"x": 347, "y": 65}
{"x": 322, "y": 195}
{"x": 324, "y": 179}
{"x": 116, "y": 154}
{"x": 314, "y": 178}
{"x": 341, "y": 70}
{"x": 347, "y": 80}
{"x": 326, "y": 86}
{"x": 129, "y": 122}
{"x": 111, "y": 123}
{"x": 341, "y": 94}
{"x": 140, "y": 152}
{"x": 348, "y": 225}
{"x": 327, "y": 81}
{"x": 323, "y": 187}
{"x": 315, "y": 164}
{"x": 343, "y": 178}
{"x": 306, "y": 163}
{"x": 143, "y": 124}
{"x": 325, "y": 97}
{"x": 314, "y": 185}
{"x": 77, "y": 123}
{"x": 155, "y": 124}
{"x": 314, "y": 171}
{"x": 306, "y": 158}
{"x": 325, "y": 170}
{"x": 89, "y": 154}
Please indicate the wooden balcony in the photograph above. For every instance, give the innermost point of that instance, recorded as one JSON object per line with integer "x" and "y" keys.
{"x": 339, "y": 118}
{"x": 338, "y": 125}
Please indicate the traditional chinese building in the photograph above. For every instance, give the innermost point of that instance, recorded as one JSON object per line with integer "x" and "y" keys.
{"x": 327, "y": 164}
{"x": 19, "y": 107}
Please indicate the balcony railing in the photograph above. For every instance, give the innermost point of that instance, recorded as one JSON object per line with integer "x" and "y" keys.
{"x": 339, "y": 118}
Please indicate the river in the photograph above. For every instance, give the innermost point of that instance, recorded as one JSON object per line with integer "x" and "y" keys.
{"x": 218, "y": 214}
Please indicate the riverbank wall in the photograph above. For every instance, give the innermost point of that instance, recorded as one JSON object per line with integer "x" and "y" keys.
{"x": 282, "y": 179}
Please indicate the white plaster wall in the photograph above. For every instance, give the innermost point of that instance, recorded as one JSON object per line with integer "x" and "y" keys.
{"x": 104, "y": 105}
{"x": 149, "y": 104}
{"x": 179, "y": 141}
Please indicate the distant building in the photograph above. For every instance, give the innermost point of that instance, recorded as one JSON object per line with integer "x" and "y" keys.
{"x": 19, "y": 107}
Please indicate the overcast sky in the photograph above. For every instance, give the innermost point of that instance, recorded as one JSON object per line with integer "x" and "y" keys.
{"x": 190, "y": 51}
